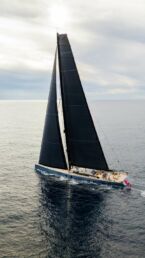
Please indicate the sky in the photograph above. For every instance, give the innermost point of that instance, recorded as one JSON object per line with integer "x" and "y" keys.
{"x": 107, "y": 38}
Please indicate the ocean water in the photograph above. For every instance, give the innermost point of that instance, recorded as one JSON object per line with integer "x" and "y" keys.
{"x": 46, "y": 217}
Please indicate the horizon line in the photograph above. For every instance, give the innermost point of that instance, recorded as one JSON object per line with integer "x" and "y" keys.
{"x": 41, "y": 100}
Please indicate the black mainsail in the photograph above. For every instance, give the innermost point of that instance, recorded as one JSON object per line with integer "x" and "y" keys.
{"x": 52, "y": 153}
{"x": 83, "y": 145}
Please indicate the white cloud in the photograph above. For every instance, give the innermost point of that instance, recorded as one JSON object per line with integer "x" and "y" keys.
{"x": 107, "y": 37}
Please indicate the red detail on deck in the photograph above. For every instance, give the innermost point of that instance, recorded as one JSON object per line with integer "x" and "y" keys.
{"x": 126, "y": 182}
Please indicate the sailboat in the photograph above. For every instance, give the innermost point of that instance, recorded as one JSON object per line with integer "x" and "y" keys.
{"x": 71, "y": 147}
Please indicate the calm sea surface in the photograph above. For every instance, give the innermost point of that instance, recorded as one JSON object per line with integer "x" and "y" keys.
{"x": 43, "y": 217}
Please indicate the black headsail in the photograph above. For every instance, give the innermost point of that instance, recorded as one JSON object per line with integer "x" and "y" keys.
{"x": 84, "y": 148}
{"x": 52, "y": 153}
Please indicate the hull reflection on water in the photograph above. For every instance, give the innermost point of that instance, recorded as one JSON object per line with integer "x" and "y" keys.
{"x": 71, "y": 219}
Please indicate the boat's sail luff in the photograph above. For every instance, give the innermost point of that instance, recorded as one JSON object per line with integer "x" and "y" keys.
{"x": 52, "y": 153}
{"x": 84, "y": 148}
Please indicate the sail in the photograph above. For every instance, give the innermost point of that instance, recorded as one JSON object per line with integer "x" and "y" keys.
{"x": 83, "y": 145}
{"x": 52, "y": 154}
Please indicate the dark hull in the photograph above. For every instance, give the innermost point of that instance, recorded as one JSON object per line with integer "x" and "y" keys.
{"x": 80, "y": 178}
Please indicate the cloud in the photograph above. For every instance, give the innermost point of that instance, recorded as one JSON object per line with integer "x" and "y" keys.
{"x": 24, "y": 84}
{"x": 107, "y": 39}
{"x": 17, "y": 8}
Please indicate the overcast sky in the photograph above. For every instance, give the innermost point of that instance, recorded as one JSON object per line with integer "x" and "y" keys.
{"x": 107, "y": 39}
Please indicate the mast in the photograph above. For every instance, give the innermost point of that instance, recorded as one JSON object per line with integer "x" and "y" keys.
{"x": 83, "y": 145}
{"x": 63, "y": 101}
{"x": 52, "y": 153}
